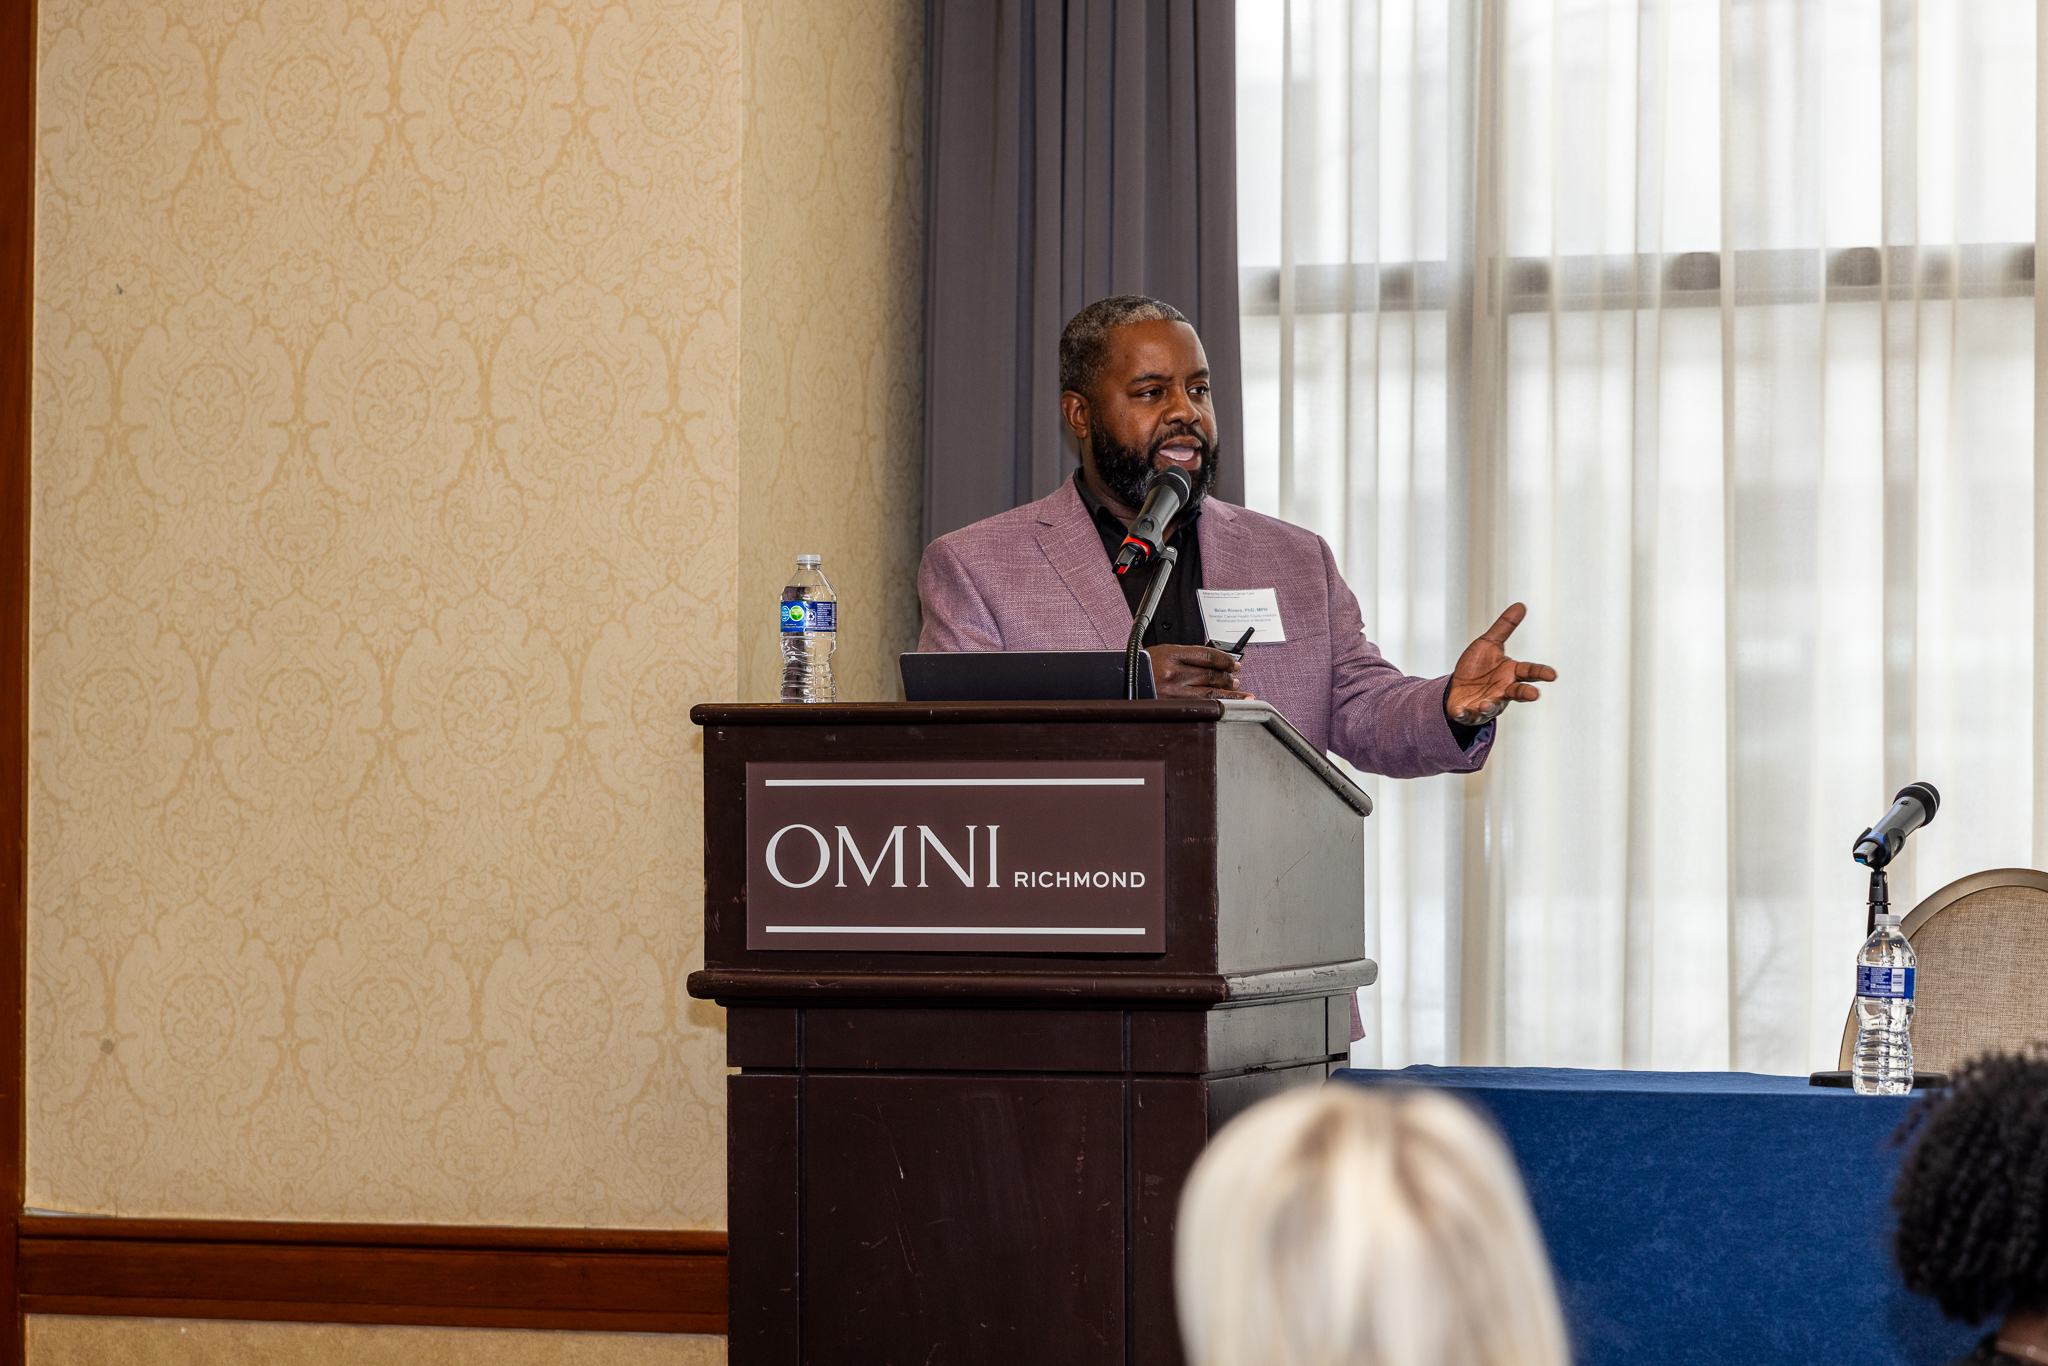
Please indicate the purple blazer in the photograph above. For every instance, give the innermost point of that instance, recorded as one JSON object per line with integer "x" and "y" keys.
{"x": 1035, "y": 578}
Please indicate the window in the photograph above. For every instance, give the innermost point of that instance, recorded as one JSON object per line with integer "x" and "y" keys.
{"x": 1707, "y": 330}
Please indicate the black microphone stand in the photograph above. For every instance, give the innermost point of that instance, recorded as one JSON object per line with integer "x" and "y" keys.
{"x": 1880, "y": 886}
{"x": 1142, "y": 622}
{"x": 1880, "y": 898}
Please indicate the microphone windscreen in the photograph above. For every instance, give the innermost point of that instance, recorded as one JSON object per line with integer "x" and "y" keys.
{"x": 1178, "y": 478}
{"x": 1923, "y": 793}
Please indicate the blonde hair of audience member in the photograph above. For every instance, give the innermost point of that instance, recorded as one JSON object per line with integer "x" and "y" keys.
{"x": 1342, "y": 1226}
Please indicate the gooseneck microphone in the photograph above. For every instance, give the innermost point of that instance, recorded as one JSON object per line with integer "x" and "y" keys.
{"x": 1169, "y": 493}
{"x": 1912, "y": 808}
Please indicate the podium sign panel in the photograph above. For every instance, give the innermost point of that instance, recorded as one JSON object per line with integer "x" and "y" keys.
{"x": 997, "y": 857}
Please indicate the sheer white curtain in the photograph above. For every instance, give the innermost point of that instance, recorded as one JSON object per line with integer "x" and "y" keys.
{"x": 1707, "y": 328}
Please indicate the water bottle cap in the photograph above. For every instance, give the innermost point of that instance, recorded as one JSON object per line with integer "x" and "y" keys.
{"x": 809, "y": 561}
{"x": 1890, "y": 919}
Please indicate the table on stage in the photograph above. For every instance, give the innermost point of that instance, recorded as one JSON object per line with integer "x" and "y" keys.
{"x": 1710, "y": 1217}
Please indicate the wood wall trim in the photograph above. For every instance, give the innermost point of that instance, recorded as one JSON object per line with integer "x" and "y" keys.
{"x": 698, "y": 1242}
{"x": 584, "y": 1280}
{"x": 409, "y": 1316}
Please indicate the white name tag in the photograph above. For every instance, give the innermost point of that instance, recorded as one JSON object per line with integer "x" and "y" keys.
{"x": 1227, "y": 611}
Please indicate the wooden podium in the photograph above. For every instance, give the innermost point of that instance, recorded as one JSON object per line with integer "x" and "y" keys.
{"x": 977, "y": 1061}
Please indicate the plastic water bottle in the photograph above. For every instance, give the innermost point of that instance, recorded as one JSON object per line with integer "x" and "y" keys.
{"x": 810, "y": 632}
{"x": 1883, "y": 1062}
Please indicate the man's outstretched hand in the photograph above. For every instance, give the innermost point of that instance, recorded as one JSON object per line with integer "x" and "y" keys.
{"x": 1486, "y": 680}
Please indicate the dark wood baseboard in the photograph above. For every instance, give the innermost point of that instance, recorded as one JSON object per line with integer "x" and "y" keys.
{"x": 588, "y": 1280}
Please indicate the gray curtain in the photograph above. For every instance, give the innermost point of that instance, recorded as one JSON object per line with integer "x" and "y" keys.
{"x": 1073, "y": 149}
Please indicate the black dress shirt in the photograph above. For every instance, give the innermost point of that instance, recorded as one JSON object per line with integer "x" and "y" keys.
{"x": 1179, "y": 618}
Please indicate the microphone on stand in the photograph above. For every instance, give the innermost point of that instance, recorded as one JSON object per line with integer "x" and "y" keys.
{"x": 1880, "y": 844}
{"x": 1912, "y": 808}
{"x": 1169, "y": 493}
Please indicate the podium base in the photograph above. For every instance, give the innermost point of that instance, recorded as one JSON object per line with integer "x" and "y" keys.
{"x": 1922, "y": 1081}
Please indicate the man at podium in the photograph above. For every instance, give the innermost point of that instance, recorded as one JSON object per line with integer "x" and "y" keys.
{"x": 1135, "y": 393}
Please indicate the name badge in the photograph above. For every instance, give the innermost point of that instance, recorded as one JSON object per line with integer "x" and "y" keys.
{"x": 1227, "y": 611}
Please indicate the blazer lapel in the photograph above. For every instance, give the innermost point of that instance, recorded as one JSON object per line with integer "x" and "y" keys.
{"x": 1068, "y": 537}
{"x": 1228, "y": 560}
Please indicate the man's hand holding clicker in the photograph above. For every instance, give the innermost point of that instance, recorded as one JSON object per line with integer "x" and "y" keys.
{"x": 1194, "y": 671}
{"x": 1486, "y": 680}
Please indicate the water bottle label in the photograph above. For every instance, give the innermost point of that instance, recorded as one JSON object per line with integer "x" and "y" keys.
{"x": 809, "y": 618}
{"x": 1892, "y": 984}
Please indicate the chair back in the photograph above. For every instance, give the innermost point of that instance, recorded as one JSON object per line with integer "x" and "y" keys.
{"x": 1982, "y": 946}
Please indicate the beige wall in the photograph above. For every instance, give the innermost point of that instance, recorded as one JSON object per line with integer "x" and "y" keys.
{"x": 173, "y": 1342}
{"x": 831, "y": 321}
{"x": 430, "y": 397}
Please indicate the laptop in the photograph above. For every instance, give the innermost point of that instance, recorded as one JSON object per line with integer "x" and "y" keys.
{"x": 1020, "y": 676}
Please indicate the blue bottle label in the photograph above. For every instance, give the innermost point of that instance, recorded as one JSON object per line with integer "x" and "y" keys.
{"x": 1891, "y": 984}
{"x": 809, "y": 618}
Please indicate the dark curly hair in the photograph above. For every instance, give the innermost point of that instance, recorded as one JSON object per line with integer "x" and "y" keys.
{"x": 1972, "y": 1194}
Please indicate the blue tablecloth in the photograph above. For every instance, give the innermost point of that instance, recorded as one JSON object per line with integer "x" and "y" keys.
{"x": 1710, "y": 1217}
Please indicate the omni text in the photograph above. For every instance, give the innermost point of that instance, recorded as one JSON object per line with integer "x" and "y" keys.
{"x": 831, "y": 858}
{"x": 800, "y": 856}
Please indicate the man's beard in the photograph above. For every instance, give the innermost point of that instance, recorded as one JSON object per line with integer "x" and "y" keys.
{"x": 1128, "y": 472}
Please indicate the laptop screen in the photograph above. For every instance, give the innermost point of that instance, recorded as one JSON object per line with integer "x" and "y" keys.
{"x": 1020, "y": 676}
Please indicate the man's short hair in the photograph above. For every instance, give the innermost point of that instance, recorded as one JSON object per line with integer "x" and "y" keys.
{"x": 1972, "y": 1195}
{"x": 1084, "y": 341}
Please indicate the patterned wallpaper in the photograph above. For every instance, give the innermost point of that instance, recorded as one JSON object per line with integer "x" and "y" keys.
{"x": 832, "y": 303}
{"x": 391, "y": 483}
